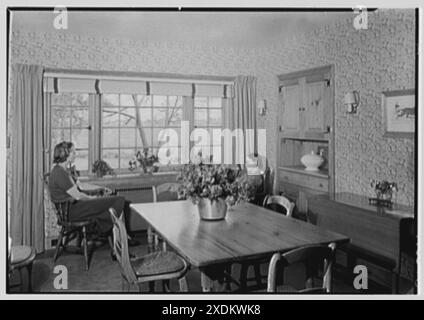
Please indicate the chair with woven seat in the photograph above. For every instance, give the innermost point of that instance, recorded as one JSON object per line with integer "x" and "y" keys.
{"x": 69, "y": 230}
{"x": 22, "y": 257}
{"x": 156, "y": 266}
{"x": 162, "y": 192}
{"x": 276, "y": 203}
{"x": 311, "y": 256}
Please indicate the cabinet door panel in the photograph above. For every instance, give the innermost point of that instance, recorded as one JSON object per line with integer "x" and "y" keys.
{"x": 316, "y": 106}
{"x": 290, "y": 98}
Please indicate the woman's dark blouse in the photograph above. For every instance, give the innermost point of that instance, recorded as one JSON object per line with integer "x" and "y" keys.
{"x": 60, "y": 181}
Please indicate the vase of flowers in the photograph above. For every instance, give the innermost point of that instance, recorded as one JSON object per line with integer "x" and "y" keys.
{"x": 102, "y": 168}
{"x": 384, "y": 189}
{"x": 145, "y": 160}
{"x": 213, "y": 188}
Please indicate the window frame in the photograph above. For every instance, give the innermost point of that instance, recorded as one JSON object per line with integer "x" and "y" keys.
{"x": 95, "y": 127}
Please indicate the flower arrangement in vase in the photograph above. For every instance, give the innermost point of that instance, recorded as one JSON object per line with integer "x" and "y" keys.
{"x": 102, "y": 168}
{"x": 213, "y": 187}
{"x": 146, "y": 160}
{"x": 384, "y": 191}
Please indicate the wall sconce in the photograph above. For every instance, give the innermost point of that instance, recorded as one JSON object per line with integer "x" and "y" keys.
{"x": 351, "y": 99}
{"x": 262, "y": 107}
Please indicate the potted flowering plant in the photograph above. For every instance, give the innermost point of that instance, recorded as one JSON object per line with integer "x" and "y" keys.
{"x": 384, "y": 189}
{"x": 101, "y": 168}
{"x": 147, "y": 161}
{"x": 212, "y": 187}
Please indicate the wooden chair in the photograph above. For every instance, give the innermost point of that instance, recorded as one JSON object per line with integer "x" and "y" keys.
{"x": 271, "y": 202}
{"x": 69, "y": 229}
{"x": 22, "y": 257}
{"x": 311, "y": 256}
{"x": 156, "y": 266}
{"x": 162, "y": 192}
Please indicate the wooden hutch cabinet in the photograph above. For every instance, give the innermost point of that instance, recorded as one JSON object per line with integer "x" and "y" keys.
{"x": 305, "y": 124}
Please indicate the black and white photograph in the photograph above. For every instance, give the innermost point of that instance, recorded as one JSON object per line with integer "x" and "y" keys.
{"x": 235, "y": 151}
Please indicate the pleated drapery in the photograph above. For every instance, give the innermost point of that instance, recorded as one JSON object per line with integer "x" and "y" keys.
{"x": 242, "y": 116}
{"x": 26, "y": 207}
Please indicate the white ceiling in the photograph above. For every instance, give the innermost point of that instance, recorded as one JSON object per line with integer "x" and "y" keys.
{"x": 242, "y": 29}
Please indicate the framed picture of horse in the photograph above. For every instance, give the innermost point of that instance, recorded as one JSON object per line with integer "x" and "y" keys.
{"x": 399, "y": 113}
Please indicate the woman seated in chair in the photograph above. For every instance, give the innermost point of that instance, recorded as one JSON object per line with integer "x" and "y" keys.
{"x": 63, "y": 185}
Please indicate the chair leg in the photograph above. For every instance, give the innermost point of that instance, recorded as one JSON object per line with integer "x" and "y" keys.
{"x": 58, "y": 245}
{"x": 227, "y": 278}
{"x": 149, "y": 239}
{"x": 21, "y": 279}
{"x": 125, "y": 285}
{"x": 151, "y": 286}
{"x": 257, "y": 269}
{"x": 165, "y": 286}
{"x": 243, "y": 276}
{"x": 156, "y": 242}
{"x": 29, "y": 270}
{"x": 84, "y": 243}
{"x": 79, "y": 241}
{"x": 183, "y": 284}
{"x": 140, "y": 287}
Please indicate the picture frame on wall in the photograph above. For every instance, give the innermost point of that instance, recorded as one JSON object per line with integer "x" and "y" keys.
{"x": 398, "y": 113}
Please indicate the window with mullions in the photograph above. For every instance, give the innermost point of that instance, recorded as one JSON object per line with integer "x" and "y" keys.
{"x": 208, "y": 115}
{"x": 70, "y": 122}
{"x": 132, "y": 123}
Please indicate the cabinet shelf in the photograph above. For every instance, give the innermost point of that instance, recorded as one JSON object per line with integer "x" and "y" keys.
{"x": 301, "y": 170}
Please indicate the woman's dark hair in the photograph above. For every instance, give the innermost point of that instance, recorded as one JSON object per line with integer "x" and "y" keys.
{"x": 62, "y": 151}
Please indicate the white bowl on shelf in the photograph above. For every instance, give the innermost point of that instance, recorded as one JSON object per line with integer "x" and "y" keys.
{"x": 312, "y": 161}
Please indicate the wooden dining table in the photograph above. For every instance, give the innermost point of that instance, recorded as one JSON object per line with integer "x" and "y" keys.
{"x": 248, "y": 232}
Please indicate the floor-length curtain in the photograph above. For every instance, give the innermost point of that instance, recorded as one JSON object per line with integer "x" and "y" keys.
{"x": 26, "y": 207}
{"x": 244, "y": 115}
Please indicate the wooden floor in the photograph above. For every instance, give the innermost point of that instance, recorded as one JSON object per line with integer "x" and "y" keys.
{"x": 104, "y": 275}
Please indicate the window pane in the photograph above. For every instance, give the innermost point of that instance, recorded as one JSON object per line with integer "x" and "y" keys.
{"x": 61, "y": 117}
{"x": 80, "y": 99}
{"x": 59, "y": 135}
{"x": 158, "y": 135}
{"x": 156, "y": 132}
{"x": 127, "y": 117}
{"x": 110, "y": 100}
{"x": 110, "y": 117}
{"x": 160, "y": 101}
{"x": 126, "y": 156}
{"x": 215, "y": 117}
{"x": 200, "y": 102}
{"x": 175, "y": 101}
{"x": 144, "y": 101}
{"x": 175, "y": 117}
{"x": 200, "y": 117}
{"x": 159, "y": 116}
{"x": 128, "y": 138}
{"x": 62, "y": 99}
{"x": 145, "y": 116}
{"x": 215, "y": 102}
{"x": 80, "y": 117}
{"x": 148, "y": 135}
{"x": 110, "y": 138}
{"x": 127, "y": 100}
{"x": 174, "y": 153}
{"x": 80, "y": 138}
{"x": 111, "y": 157}
{"x": 81, "y": 160}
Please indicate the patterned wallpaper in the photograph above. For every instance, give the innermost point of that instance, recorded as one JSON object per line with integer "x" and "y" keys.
{"x": 378, "y": 59}
{"x": 371, "y": 61}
